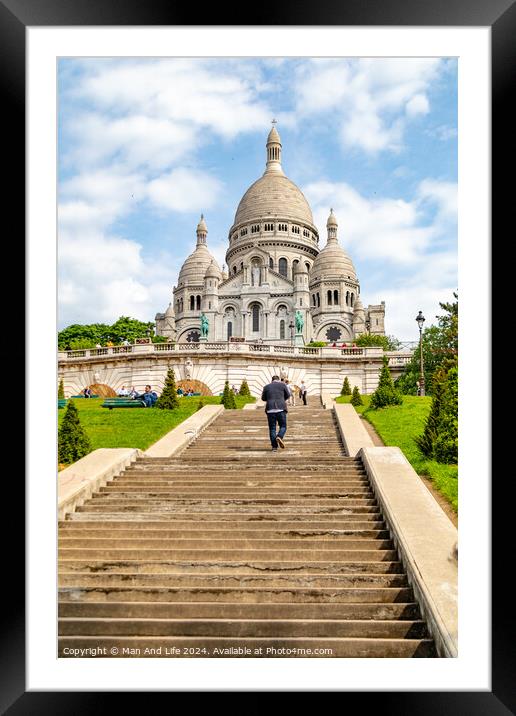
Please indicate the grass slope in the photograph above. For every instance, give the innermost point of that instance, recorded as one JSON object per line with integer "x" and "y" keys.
{"x": 135, "y": 427}
{"x": 399, "y": 425}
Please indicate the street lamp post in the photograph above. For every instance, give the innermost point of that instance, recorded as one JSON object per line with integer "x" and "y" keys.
{"x": 291, "y": 326}
{"x": 420, "y": 319}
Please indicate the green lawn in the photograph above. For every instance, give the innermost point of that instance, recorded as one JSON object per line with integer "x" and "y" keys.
{"x": 135, "y": 427}
{"x": 399, "y": 425}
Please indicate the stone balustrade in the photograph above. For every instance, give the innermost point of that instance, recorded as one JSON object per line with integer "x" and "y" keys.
{"x": 396, "y": 358}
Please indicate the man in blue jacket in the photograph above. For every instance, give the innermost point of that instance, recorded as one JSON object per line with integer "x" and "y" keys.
{"x": 275, "y": 395}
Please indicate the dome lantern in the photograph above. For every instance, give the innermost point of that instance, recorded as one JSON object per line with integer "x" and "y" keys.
{"x": 202, "y": 231}
{"x": 273, "y": 151}
{"x": 332, "y": 226}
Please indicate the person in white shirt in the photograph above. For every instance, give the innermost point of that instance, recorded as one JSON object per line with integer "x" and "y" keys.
{"x": 302, "y": 391}
{"x": 123, "y": 392}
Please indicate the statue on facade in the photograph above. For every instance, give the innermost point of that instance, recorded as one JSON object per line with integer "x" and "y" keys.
{"x": 255, "y": 273}
{"x": 205, "y": 324}
{"x": 299, "y": 322}
{"x": 188, "y": 368}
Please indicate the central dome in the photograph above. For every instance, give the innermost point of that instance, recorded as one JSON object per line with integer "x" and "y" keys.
{"x": 273, "y": 195}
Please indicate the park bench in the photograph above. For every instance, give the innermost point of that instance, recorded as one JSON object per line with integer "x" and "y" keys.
{"x": 61, "y": 403}
{"x": 111, "y": 403}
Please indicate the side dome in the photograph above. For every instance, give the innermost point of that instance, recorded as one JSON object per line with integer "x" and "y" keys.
{"x": 332, "y": 261}
{"x": 195, "y": 266}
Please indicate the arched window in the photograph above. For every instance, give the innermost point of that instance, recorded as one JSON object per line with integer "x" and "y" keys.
{"x": 241, "y": 264}
{"x": 314, "y": 299}
{"x": 347, "y": 298}
{"x": 283, "y": 266}
{"x": 307, "y": 266}
{"x": 234, "y": 269}
{"x": 329, "y": 298}
{"x": 294, "y": 267}
{"x": 192, "y": 303}
{"x": 352, "y": 298}
{"x": 271, "y": 263}
{"x": 198, "y": 303}
{"x": 282, "y": 329}
{"x": 335, "y": 298}
{"x": 318, "y": 299}
{"x": 256, "y": 317}
{"x": 230, "y": 329}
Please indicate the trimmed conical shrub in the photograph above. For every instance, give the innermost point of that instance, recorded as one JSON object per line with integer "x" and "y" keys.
{"x": 60, "y": 390}
{"x": 386, "y": 393}
{"x": 346, "y": 388}
{"x": 356, "y": 398}
{"x": 446, "y": 445}
{"x": 73, "y": 443}
{"x": 168, "y": 399}
{"x": 426, "y": 441}
{"x": 228, "y": 397}
{"x": 244, "y": 389}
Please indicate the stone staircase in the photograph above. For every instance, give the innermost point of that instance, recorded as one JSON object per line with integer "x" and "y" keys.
{"x": 233, "y": 550}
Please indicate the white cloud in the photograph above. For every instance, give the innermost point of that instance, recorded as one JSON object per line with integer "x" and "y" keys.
{"x": 371, "y": 99}
{"x": 408, "y": 247}
{"x": 184, "y": 190}
{"x": 418, "y": 104}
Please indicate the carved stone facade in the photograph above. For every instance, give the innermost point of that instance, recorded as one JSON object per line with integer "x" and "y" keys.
{"x": 275, "y": 268}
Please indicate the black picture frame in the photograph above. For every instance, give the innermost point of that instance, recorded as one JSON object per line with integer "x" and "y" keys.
{"x": 15, "y": 17}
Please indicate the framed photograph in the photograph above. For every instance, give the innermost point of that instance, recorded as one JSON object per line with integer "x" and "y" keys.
{"x": 280, "y": 205}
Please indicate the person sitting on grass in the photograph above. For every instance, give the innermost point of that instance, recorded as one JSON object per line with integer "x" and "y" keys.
{"x": 179, "y": 391}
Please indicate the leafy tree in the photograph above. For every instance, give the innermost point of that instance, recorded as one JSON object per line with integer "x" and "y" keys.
{"x": 244, "y": 389}
{"x": 73, "y": 442}
{"x": 386, "y": 393}
{"x": 346, "y": 388}
{"x": 168, "y": 399}
{"x": 440, "y": 344}
{"x": 388, "y": 343}
{"x": 356, "y": 398}
{"x": 60, "y": 390}
{"x": 88, "y": 335}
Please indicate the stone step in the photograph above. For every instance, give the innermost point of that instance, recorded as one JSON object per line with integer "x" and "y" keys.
{"x": 229, "y": 542}
{"x": 102, "y": 499}
{"x": 92, "y": 520}
{"x": 239, "y": 610}
{"x": 258, "y": 511}
{"x": 166, "y": 482}
{"x": 125, "y": 492}
{"x": 215, "y": 647}
{"x": 217, "y": 581}
{"x": 310, "y": 554}
{"x": 364, "y": 628}
{"x": 223, "y": 567}
{"x": 254, "y": 595}
{"x": 198, "y": 531}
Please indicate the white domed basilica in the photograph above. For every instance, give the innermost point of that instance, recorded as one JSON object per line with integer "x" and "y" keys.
{"x": 279, "y": 287}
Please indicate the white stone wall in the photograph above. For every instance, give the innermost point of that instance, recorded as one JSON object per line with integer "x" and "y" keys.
{"x": 320, "y": 375}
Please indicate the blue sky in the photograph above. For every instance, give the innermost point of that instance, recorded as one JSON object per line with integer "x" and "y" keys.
{"x": 146, "y": 145}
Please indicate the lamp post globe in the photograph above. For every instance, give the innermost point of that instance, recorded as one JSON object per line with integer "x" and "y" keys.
{"x": 420, "y": 319}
